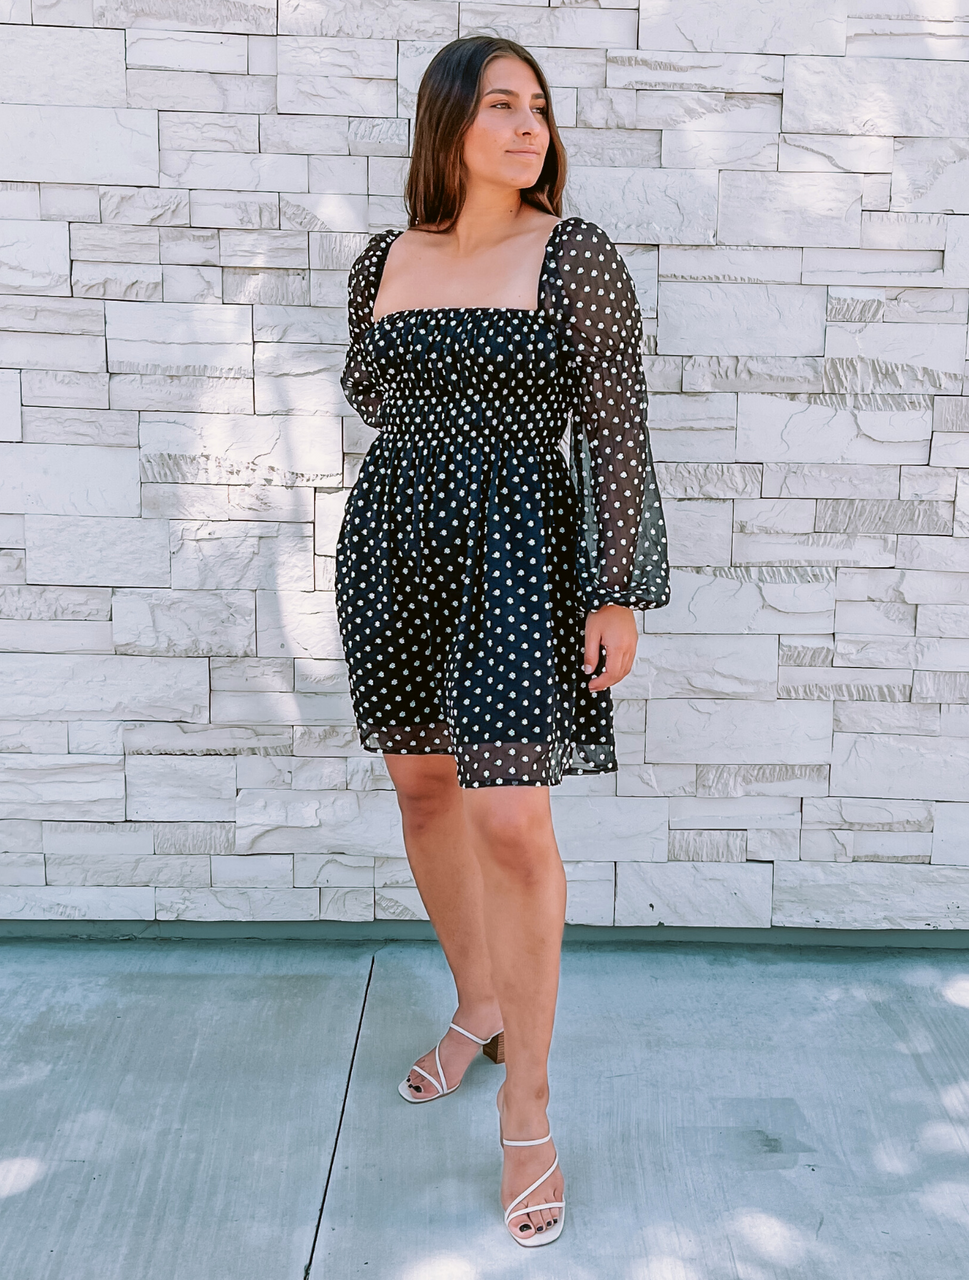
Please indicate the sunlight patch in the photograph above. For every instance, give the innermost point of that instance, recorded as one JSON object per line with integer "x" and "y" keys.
{"x": 18, "y": 1174}
{"x": 443, "y": 1266}
{"x": 956, "y": 991}
{"x": 771, "y": 1238}
{"x": 659, "y": 1267}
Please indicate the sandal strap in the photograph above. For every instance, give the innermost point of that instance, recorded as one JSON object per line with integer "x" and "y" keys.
{"x": 454, "y": 1027}
{"x": 535, "y": 1208}
{"x": 531, "y": 1142}
{"x": 510, "y": 1211}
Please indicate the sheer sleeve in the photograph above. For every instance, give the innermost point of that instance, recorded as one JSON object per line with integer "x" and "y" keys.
{"x": 623, "y": 553}
{"x": 358, "y": 379}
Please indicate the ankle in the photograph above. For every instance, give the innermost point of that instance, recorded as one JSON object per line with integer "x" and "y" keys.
{"x": 524, "y": 1106}
{"x": 482, "y": 1016}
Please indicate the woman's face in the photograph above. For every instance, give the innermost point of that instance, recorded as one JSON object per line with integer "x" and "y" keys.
{"x": 508, "y": 138}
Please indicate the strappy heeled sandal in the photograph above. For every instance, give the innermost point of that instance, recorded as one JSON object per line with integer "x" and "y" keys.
{"x": 548, "y": 1234}
{"x": 493, "y": 1049}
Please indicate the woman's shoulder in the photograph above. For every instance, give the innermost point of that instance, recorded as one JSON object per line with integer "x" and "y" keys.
{"x": 579, "y": 237}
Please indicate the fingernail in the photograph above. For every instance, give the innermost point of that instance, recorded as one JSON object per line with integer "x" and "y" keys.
{"x": 588, "y": 670}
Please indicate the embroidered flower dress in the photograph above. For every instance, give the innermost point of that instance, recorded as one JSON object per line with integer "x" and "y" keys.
{"x": 472, "y": 550}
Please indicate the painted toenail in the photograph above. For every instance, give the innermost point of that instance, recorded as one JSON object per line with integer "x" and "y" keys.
{"x": 525, "y": 1227}
{"x": 539, "y": 1228}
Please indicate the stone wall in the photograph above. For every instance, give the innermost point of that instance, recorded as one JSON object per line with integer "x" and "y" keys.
{"x": 184, "y": 184}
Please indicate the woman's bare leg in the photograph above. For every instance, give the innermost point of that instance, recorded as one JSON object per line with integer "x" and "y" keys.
{"x": 524, "y": 915}
{"x": 448, "y": 876}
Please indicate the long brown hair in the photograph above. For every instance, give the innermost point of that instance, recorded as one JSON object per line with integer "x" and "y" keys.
{"x": 447, "y": 103}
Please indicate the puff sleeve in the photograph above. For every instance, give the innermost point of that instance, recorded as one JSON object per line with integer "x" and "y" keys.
{"x": 623, "y": 550}
{"x": 358, "y": 379}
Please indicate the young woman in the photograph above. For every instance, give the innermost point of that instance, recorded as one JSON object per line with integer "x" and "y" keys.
{"x": 485, "y": 585}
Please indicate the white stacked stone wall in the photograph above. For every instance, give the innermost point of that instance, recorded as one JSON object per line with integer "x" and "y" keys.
{"x": 183, "y": 185}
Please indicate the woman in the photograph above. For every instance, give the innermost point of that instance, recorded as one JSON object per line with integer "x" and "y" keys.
{"x": 480, "y": 584}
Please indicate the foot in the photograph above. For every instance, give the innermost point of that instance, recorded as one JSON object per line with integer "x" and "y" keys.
{"x": 457, "y": 1051}
{"x": 524, "y": 1164}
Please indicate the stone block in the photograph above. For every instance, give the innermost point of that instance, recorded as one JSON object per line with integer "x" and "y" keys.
{"x": 200, "y": 91}
{"x": 755, "y": 600}
{"x": 207, "y": 131}
{"x": 113, "y": 243}
{"x": 281, "y": 708}
{"x": 22, "y": 868}
{"x": 729, "y": 265}
{"x": 296, "y": 378}
{"x": 117, "y": 280}
{"x": 264, "y": 871}
{"x": 906, "y": 766}
{"x": 192, "y": 284}
{"x": 931, "y": 175}
{"x": 708, "y": 149}
{"x": 762, "y": 780}
{"x": 398, "y": 904}
{"x": 232, "y": 171}
{"x": 708, "y": 480}
{"x": 43, "y": 737}
{"x": 51, "y": 350}
{"x": 690, "y": 666}
{"x": 857, "y": 896}
{"x": 833, "y": 429}
{"x": 653, "y": 780}
{"x": 179, "y": 338}
{"x": 829, "y": 153}
{"x": 830, "y": 549}
{"x": 906, "y": 357}
{"x": 873, "y": 267}
{"x": 790, "y": 209}
{"x": 752, "y": 373}
{"x": 877, "y": 96}
{"x": 199, "y": 395}
{"x": 611, "y": 829}
{"x": 361, "y": 823}
{"x": 333, "y": 871}
{"x": 746, "y": 28}
{"x": 201, "y": 839}
{"x": 63, "y": 66}
{"x": 68, "y": 480}
{"x": 263, "y": 249}
{"x": 801, "y": 480}
{"x": 49, "y": 315}
{"x": 95, "y": 738}
{"x": 237, "y": 904}
{"x": 741, "y": 319}
{"x": 735, "y": 814}
{"x": 712, "y": 731}
{"x": 79, "y": 144}
{"x": 950, "y": 840}
{"x": 222, "y": 555}
{"x": 708, "y": 846}
{"x": 672, "y": 69}
{"x": 201, "y": 448}
{"x": 697, "y": 894}
{"x": 20, "y": 836}
{"x": 928, "y": 483}
{"x": 299, "y": 324}
{"x": 169, "y": 788}
{"x": 773, "y": 846}
{"x": 50, "y": 902}
{"x": 699, "y": 531}
{"x": 648, "y": 206}
{"x": 263, "y": 285}
{"x": 774, "y": 515}
{"x": 306, "y": 135}
{"x": 949, "y": 450}
{"x": 120, "y": 869}
{"x": 187, "y": 51}
{"x": 346, "y": 904}
{"x": 56, "y": 637}
{"x": 875, "y": 617}
{"x": 34, "y": 256}
{"x": 876, "y": 684}
{"x": 186, "y": 624}
{"x": 334, "y": 95}
{"x": 239, "y": 209}
{"x": 65, "y": 787}
{"x": 591, "y": 893}
{"x": 252, "y": 673}
{"x": 145, "y": 206}
{"x": 104, "y": 687}
{"x": 113, "y": 552}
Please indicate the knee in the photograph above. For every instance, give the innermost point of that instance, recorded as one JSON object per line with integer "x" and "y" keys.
{"x": 514, "y": 843}
{"x": 425, "y": 800}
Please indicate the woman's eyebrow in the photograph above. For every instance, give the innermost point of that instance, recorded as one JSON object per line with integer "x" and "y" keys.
{"x": 513, "y": 92}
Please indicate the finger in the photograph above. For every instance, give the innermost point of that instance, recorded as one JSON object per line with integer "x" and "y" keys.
{"x": 590, "y": 657}
{"x": 618, "y": 664}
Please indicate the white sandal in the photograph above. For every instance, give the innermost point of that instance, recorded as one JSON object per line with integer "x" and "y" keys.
{"x": 493, "y": 1049}
{"x": 547, "y": 1234}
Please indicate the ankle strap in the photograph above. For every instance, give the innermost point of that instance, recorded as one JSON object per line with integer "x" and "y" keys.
{"x": 454, "y": 1027}
{"x": 532, "y": 1142}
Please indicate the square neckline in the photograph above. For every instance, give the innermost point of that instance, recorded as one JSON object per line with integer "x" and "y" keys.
{"x": 410, "y": 311}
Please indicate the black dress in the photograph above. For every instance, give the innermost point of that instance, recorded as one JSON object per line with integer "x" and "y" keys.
{"x": 472, "y": 549}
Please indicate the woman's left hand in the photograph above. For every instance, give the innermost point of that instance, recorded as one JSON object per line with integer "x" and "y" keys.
{"x": 614, "y": 628}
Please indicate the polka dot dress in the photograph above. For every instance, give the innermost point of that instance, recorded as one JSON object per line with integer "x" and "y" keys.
{"x": 472, "y": 548}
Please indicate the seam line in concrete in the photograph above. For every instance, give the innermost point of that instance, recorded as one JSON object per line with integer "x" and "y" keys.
{"x": 343, "y": 1106}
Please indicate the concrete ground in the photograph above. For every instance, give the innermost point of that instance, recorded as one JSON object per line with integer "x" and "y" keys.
{"x": 228, "y": 1111}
